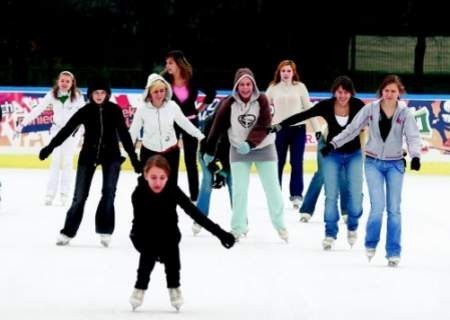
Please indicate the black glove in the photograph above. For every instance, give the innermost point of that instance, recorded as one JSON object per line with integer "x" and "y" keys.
{"x": 415, "y": 164}
{"x": 227, "y": 239}
{"x": 274, "y": 128}
{"x": 318, "y": 135}
{"x": 136, "y": 165}
{"x": 327, "y": 149}
{"x": 213, "y": 167}
{"x": 218, "y": 180}
{"x": 45, "y": 152}
{"x": 403, "y": 159}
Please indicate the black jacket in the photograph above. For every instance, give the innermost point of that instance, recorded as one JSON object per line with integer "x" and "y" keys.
{"x": 325, "y": 109}
{"x": 155, "y": 222}
{"x": 104, "y": 126}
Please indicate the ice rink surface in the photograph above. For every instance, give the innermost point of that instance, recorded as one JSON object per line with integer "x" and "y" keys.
{"x": 259, "y": 278}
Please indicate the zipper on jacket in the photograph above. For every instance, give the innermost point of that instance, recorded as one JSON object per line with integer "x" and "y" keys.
{"x": 159, "y": 127}
{"x": 101, "y": 134}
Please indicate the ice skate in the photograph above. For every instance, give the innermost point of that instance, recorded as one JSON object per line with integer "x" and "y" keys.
{"x": 327, "y": 243}
{"x": 63, "y": 240}
{"x": 370, "y": 253}
{"x": 305, "y": 217}
{"x": 196, "y": 228}
{"x": 105, "y": 239}
{"x": 345, "y": 217}
{"x": 236, "y": 235}
{"x": 351, "y": 237}
{"x": 284, "y": 235}
{"x": 48, "y": 200}
{"x": 296, "y": 201}
{"x": 63, "y": 199}
{"x": 176, "y": 299}
{"x": 393, "y": 262}
{"x": 136, "y": 299}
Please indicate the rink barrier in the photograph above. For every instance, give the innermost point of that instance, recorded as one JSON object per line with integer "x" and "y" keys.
{"x": 432, "y": 114}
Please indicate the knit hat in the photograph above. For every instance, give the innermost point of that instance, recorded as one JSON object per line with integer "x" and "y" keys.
{"x": 98, "y": 83}
{"x": 243, "y": 72}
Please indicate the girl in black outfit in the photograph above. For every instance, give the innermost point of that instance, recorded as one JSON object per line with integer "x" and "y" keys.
{"x": 155, "y": 232}
{"x": 178, "y": 73}
{"x": 104, "y": 125}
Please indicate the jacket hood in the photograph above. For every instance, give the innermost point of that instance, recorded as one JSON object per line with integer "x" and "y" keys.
{"x": 152, "y": 78}
{"x": 240, "y": 74}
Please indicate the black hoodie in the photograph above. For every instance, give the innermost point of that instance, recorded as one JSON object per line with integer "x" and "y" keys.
{"x": 155, "y": 223}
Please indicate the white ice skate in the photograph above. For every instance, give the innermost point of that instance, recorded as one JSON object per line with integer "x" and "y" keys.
{"x": 176, "y": 299}
{"x": 63, "y": 199}
{"x": 345, "y": 217}
{"x": 284, "y": 235}
{"x": 327, "y": 243}
{"x": 393, "y": 261}
{"x": 105, "y": 239}
{"x": 351, "y": 237}
{"x": 196, "y": 228}
{"x": 136, "y": 299}
{"x": 370, "y": 253}
{"x": 305, "y": 217}
{"x": 296, "y": 201}
{"x": 48, "y": 200}
{"x": 63, "y": 240}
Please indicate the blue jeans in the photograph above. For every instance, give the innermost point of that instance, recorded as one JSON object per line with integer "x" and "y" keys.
{"x": 381, "y": 174}
{"x": 292, "y": 138}
{"x": 104, "y": 216}
{"x": 350, "y": 165}
{"x": 204, "y": 196}
{"x": 316, "y": 184}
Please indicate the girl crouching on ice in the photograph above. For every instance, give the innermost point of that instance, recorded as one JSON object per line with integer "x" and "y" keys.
{"x": 155, "y": 232}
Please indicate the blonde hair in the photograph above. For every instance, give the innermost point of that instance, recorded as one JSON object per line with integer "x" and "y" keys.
{"x": 155, "y": 85}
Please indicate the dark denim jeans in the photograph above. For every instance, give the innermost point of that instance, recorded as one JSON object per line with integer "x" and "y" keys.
{"x": 104, "y": 216}
{"x": 292, "y": 138}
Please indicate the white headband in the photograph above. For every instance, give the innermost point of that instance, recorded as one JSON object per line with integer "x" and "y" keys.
{"x": 66, "y": 72}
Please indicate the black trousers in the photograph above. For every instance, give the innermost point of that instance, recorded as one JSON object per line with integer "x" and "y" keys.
{"x": 171, "y": 260}
{"x": 190, "y": 148}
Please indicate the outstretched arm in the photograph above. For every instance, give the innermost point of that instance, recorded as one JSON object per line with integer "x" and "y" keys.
{"x": 185, "y": 203}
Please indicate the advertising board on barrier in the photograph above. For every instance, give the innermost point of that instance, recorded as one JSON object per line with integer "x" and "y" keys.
{"x": 432, "y": 115}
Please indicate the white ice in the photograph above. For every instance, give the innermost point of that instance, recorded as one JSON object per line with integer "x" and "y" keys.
{"x": 260, "y": 278}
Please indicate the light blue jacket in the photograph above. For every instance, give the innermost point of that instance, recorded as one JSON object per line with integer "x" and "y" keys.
{"x": 403, "y": 125}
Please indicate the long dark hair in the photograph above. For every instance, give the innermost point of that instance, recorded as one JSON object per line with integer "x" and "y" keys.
{"x": 182, "y": 63}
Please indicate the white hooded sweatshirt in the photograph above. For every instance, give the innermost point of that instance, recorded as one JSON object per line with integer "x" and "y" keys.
{"x": 158, "y": 122}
